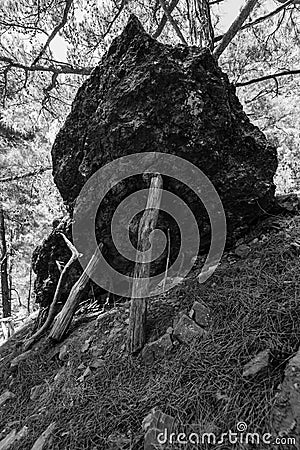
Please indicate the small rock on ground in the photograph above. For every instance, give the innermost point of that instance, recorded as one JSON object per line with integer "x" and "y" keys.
{"x": 200, "y": 314}
{"x": 257, "y": 364}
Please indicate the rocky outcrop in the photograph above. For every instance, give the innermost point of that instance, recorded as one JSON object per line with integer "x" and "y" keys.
{"x": 146, "y": 96}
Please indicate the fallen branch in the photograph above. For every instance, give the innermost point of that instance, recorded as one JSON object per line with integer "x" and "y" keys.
{"x": 44, "y": 437}
{"x": 51, "y": 314}
{"x": 63, "y": 319}
{"x": 234, "y": 28}
{"x": 140, "y": 288}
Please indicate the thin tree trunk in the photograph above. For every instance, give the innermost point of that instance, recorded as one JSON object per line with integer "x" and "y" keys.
{"x": 140, "y": 288}
{"x": 6, "y": 303}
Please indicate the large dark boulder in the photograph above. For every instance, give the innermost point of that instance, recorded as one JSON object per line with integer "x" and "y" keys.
{"x": 146, "y": 96}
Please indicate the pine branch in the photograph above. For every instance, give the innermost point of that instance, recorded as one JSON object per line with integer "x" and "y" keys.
{"x": 64, "y": 68}
{"x": 261, "y": 19}
{"x": 172, "y": 21}
{"x": 164, "y": 19}
{"x": 55, "y": 31}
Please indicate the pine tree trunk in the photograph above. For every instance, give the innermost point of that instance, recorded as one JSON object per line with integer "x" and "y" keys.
{"x": 6, "y": 303}
{"x": 204, "y": 29}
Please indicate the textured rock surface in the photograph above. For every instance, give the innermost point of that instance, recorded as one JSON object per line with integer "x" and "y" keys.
{"x": 146, "y": 96}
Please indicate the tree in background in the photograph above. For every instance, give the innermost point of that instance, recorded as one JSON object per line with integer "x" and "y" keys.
{"x": 30, "y": 202}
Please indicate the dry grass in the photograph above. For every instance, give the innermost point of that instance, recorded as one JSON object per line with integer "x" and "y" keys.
{"x": 254, "y": 305}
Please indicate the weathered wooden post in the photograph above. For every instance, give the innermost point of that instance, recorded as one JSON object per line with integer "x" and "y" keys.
{"x": 140, "y": 288}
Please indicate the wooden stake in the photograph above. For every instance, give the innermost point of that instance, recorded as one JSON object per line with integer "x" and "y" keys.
{"x": 140, "y": 288}
{"x": 63, "y": 319}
